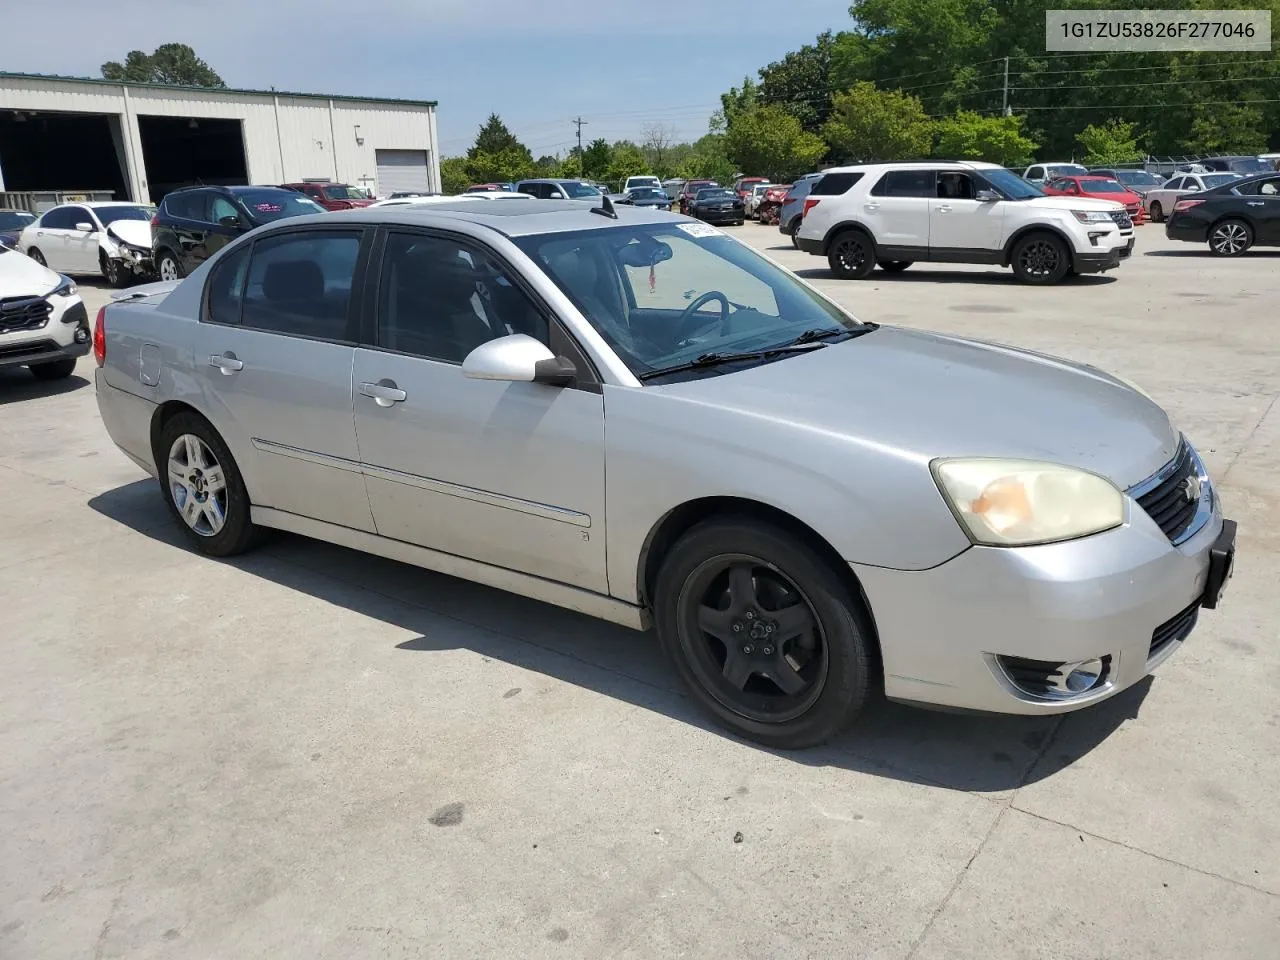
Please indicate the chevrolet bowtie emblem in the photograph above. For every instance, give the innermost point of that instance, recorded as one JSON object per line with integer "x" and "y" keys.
{"x": 1191, "y": 488}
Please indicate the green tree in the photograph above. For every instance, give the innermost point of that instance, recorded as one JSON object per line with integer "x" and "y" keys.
{"x": 1226, "y": 128}
{"x": 1109, "y": 143}
{"x": 453, "y": 175}
{"x": 769, "y": 141}
{"x": 495, "y": 138}
{"x": 872, "y": 124}
{"x": 800, "y": 83}
{"x": 627, "y": 161}
{"x": 596, "y": 157}
{"x": 546, "y": 166}
{"x": 966, "y": 135}
{"x": 707, "y": 159}
{"x": 171, "y": 63}
{"x": 503, "y": 167}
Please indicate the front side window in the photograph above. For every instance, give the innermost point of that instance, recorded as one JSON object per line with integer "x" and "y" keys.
{"x": 905, "y": 183}
{"x": 225, "y": 292}
{"x": 77, "y": 216}
{"x": 1010, "y": 185}
{"x": 1035, "y": 173}
{"x": 340, "y": 191}
{"x": 300, "y": 284}
{"x": 953, "y": 185}
{"x": 221, "y": 208}
{"x": 666, "y": 294}
{"x": 440, "y": 299}
{"x": 1176, "y": 183}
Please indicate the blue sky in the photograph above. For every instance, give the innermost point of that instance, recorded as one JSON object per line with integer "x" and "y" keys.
{"x": 618, "y": 65}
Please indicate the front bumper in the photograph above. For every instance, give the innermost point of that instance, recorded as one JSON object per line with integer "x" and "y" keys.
{"x": 1097, "y": 262}
{"x": 718, "y": 216}
{"x": 1127, "y": 594}
{"x": 64, "y": 334}
{"x": 1181, "y": 227}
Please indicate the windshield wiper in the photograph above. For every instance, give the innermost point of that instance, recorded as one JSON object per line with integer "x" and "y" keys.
{"x": 716, "y": 359}
{"x": 818, "y": 335}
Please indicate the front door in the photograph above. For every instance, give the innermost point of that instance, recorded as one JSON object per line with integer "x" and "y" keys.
{"x": 509, "y": 474}
{"x": 273, "y": 353}
{"x": 82, "y": 245}
{"x": 960, "y": 223}
{"x": 897, "y": 211}
{"x": 1264, "y": 207}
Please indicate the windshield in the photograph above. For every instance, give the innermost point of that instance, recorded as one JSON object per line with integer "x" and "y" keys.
{"x": 1137, "y": 178}
{"x": 1012, "y": 185}
{"x": 265, "y": 206}
{"x": 647, "y": 193}
{"x": 665, "y": 294}
{"x": 340, "y": 191}
{"x": 579, "y": 191}
{"x": 715, "y": 193}
{"x": 1102, "y": 186}
{"x": 109, "y": 215}
{"x": 15, "y": 219}
{"x": 1212, "y": 180}
{"x": 1067, "y": 170}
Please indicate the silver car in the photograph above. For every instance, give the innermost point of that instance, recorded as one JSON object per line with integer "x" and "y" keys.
{"x": 636, "y": 416}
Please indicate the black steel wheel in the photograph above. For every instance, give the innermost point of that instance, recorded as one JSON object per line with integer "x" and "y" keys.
{"x": 1230, "y": 238}
{"x": 1041, "y": 258}
{"x": 852, "y": 255}
{"x": 763, "y": 632}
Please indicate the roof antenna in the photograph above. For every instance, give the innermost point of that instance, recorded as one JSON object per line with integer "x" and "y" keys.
{"x": 606, "y": 208}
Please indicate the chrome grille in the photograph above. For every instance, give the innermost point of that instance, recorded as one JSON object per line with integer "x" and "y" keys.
{"x": 23, "y": 313}
{"x": 1172, "y": 497}
{"x": 1122, "y": 219}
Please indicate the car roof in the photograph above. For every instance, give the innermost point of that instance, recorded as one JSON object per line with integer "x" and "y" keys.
{"x": 553, "y": 180}
{"x": 932, "y": 164}
{"x": 98, "y": 204}
{"x": 515, "y": 218}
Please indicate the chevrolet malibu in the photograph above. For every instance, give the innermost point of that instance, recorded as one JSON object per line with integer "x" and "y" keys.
{"x": 635, "y": 416}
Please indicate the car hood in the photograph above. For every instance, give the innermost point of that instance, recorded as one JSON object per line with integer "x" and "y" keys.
{"x": 135, "y": 232}
{"x": 920, "y": 395}
{"x": 1062, "y": 202}
{"x": 20, "y": 276}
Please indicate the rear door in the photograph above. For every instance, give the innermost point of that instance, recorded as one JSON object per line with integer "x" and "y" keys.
{"x": 509, "y": 474}
{"x": 189, "y": 215}
{"x": 53, "y": 238}
{"x": 274, "y": 355}
{"x": 897, "y": 210}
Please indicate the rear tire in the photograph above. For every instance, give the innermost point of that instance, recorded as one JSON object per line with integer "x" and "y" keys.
{"x": 793, "y": 667}
{"x": 1156, "y": 211}
{"x": 35, "y": 254}
{"x": 1041, "y": 259}
{"x": 169, "y": 267}
{"x": 53, "y": 370}
{"x": 1230, "y": 238}
{"x": 202, "y": 487}
{"x": 894, "y": 266}
{"x": 852, "y": 255}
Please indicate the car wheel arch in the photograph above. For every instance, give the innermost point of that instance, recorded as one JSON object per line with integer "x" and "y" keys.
{"x": 1030, "y": 228}
{"x": 840, "y": 228}
{"x": 679, "y": 520}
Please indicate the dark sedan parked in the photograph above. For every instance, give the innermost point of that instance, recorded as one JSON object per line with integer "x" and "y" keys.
{"x": 12, "y": 223}
{"x": 646, "y": 197}
{"x": 718, "y": 205}
{"x": 1231, "y": 218}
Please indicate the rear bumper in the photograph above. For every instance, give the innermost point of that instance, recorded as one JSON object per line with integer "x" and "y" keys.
{"x": 1128, "y": 594}
{"x": 809, "y": 246}
{"x": 1179, "y": 227}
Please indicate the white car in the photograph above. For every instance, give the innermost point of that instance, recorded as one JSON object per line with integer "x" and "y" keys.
{"x": 752, "y": 202}
{"x": 1042, "y": 173}
{"x": 1159, "y": 203}
{"x": 418, "y": 201}
{"x": 642, "y": 182}
{"x": 43, "y": 322}
{"x": 86, "y": 239}
{"x": 894, "y": 214}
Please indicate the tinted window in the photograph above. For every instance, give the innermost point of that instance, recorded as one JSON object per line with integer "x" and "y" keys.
{"x": 219, "y": 207}
{"x": 1176, "y": 183}
{"x": 1269, "y": 187}
{"x": 109, "y": 215}
{"x": 267, "y": 205}
{"x": 904, "y": 183}
{"x": 300, "y": 284}
{"x": 188, "y": 205}
{"x": 833, "y": 184}
{"x": 1249, "y": 165}
{"x": 77, "y": 215}
{"x": 953, "y": 185}
{"x": 441, "y": 299}
{"x": 1035, "y": 173}
{"x": 15, "y": 219}
{"x": 226, "y": 286}
{"x": 56, "y": 219}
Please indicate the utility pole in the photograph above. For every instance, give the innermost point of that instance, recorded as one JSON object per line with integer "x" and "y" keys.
{"x": 1004, "y": 108}
{"x": 580, "y": 124}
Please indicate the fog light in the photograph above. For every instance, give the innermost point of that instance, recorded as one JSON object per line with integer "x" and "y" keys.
{"x": 1083, "y": 676}
{"x": 82, "y": 334}
{"x": 1054, "y": 680}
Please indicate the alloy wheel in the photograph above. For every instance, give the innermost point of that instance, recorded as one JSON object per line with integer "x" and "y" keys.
{"x": 1039, "y": 258}
{"x": 753, "y": 638}
{"x": 1230, "y": 238}
{"x": 851, "y": 253}
{"x": 168, "y": 268}
{"x": 197, "y": 485}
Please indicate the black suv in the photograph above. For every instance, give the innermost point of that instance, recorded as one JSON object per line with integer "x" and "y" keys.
{"x": 194, "y": 223}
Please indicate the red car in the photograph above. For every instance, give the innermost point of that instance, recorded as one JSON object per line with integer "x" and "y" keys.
{"x": 690, "y": 190}
{"x": 770, "y": 205}
{"x": 331, "y": 196}
{"x": 743, "y": 186}
{"x": 1097, "y": 188}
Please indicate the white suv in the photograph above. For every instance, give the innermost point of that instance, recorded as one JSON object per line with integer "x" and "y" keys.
{"x": 894, "y": 214}
{"x": 43, "y": 322}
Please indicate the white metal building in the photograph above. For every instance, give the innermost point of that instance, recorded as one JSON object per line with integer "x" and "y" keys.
{"x": 137, "y": 141}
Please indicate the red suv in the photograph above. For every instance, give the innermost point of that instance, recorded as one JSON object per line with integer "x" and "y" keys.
{"x": 331, "y": 196}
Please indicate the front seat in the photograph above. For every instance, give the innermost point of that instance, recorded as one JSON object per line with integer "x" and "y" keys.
{"x": 578, "y": 273}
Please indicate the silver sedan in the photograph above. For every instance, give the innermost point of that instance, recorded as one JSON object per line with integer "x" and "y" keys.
{"x": 1159, "y": 203}
{"x": 634, "y": 415}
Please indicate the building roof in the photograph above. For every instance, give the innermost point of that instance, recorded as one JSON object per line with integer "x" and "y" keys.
{"x": 214, "y": 90}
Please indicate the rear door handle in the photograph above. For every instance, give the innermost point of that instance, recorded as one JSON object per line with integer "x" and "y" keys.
{"x": 871, "y": 206}
{"x": 384, "y": 393}
{"x": 227, "y": 363}
{"x": 1256, "y": 203}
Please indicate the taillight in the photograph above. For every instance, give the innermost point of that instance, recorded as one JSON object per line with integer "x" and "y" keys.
{"x": 100, "y": 338}
{"x": 155, "y": 219}
{"x": 809, "y": 204}
{"x": 1186, "y": 205}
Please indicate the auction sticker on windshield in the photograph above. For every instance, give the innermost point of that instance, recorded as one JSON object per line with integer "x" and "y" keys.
{"x": 700, "y": 230}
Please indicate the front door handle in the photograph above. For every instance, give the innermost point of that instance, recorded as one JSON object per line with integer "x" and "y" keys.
{"x": 384, "y": 393}
{"x": 227, "y": 363}
{"x": 1256, "y": 203}
{"x": 944, "y": 208}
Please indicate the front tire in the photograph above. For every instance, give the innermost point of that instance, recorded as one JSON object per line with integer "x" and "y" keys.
{"x": 35, "y": 254}
{"x": 114, "y": 271}
{"x": 1230, "y": 238}
{"x": 764, "y": 633}
{"x": 1156, "y": 211}
{"x": 852, "y": 255}
{"x": 1041, "y": 259}
{"x": 203, "y": 487}
{"x": 168, "y": 267}
{"x": 53, "y": 370}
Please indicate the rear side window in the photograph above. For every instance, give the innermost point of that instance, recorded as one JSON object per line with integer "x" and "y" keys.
{"x": 225, "y": 292}
{"x": 905, "y": 183}
{"x": 300, "y": 284}
{"x": 1035, "y": 173}
{"x": 188, "y": 205}
{"x": 57, "y": 219}
{"x": 834, "y": 184}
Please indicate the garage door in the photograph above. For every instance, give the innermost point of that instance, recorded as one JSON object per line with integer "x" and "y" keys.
{"x": 402, "y": 171}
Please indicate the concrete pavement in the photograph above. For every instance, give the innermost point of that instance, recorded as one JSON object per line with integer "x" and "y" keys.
{"x": 310, "y": 753}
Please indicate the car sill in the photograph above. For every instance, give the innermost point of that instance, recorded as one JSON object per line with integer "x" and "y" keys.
{"x": 536, "y": 588}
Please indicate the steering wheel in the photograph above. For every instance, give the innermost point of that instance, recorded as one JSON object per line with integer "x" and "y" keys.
{"x": 689, "y": 322}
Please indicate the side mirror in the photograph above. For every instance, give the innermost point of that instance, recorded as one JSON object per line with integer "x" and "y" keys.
{"x": 85, "y": 227}
{"x": 1192, "y": 188}
{"x": 987, "y": 196}
{"x": 517, "y": 358}
{"x": 232, "y": 222}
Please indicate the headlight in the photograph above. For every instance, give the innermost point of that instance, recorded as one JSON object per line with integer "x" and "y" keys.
{"x": 1092, "y": 216}
{"x": 67, "y": 288}
{"x": 1019, "y": 502}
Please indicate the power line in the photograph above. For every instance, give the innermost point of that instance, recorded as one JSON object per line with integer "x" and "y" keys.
{"x": 1163, "y": 106}
{"x": 1150, "y": 83}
